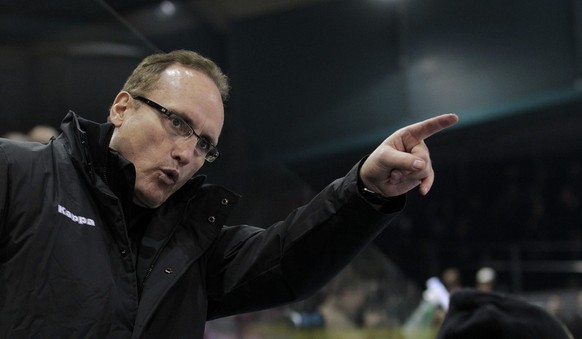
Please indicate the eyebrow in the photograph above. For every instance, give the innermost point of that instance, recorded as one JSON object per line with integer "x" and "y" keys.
{"x": 183, "y": 117}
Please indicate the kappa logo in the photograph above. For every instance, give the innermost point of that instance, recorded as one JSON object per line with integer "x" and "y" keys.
{"x": 78, "y": 219}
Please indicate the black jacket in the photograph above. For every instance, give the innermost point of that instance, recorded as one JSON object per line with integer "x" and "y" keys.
{"x": 68, "y": 268}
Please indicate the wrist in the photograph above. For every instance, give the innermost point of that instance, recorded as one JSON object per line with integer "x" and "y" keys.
{"x": 372, "y": 197}
{"x": 377, "y": 200}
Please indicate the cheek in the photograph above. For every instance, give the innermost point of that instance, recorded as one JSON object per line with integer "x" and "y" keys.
{"x": 190, "y": 171}
{"x": 148, "y": 148}
{"x": 140, "y": 136}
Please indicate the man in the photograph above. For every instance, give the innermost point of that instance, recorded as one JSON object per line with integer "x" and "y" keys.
{"x": 106, "y": 233}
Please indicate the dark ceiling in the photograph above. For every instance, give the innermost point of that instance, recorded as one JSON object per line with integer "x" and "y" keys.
{"x": 482, "y": 59}
{"x": 377, "y": 64}
{"x": 29, "y": 20}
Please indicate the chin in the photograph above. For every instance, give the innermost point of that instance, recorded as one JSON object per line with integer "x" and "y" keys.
{"x": 148, "y": 201}
{"x": 145, "y": 204}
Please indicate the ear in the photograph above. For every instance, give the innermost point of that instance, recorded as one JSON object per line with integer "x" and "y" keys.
{"x": 119, "y": 110}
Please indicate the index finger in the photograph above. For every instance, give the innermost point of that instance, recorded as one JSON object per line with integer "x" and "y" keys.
{"x": 424, "y": 129}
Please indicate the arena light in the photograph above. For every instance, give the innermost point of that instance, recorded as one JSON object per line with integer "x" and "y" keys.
{"x": 168, "y": 8}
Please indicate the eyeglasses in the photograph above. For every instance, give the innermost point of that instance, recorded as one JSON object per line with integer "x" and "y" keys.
{"x": 180, "y": 127}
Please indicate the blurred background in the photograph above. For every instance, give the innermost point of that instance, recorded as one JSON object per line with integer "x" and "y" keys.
{"x": 317, "y": 84}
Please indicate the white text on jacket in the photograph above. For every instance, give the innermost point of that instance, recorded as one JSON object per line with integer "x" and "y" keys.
{"x": 75, "y": 218}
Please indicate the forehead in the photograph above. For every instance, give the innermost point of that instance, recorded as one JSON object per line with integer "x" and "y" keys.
{"x": 193, "y": 95}
{"x": 190, "y": 81}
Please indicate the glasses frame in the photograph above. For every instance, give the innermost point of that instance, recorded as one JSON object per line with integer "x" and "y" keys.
{"x": 209, "y": 155}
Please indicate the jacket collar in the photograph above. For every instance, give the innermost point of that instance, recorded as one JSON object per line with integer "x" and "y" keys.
{"x": 87, "y": 142}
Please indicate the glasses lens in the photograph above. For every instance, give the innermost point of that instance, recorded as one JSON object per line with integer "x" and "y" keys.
{"x": 212, "y": 155}
{"x": 205, "y": 147}
{"x": 179, "y": 126}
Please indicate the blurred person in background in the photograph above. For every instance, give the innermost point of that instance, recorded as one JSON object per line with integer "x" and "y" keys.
{"x": 451, "y": 278}
{"x": 16, "y": 136}
{"x": 42, "y": 133}
{"x": 428, "y": 316}
{"x": 486, "y": 279}
{"x": 555, "y": 307}
{"x": 39, "y": 133}
{"x": 345, "y": 301}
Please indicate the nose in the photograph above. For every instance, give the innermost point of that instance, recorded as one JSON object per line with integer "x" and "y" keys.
{"x": 184, "y": 151}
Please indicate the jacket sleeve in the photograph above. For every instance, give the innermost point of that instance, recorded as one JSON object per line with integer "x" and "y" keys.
{"x": 253, "y": 269}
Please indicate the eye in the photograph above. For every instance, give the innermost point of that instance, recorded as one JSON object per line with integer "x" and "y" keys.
{"x": 203, "y": 144}
{"x": 176, "y": 122}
